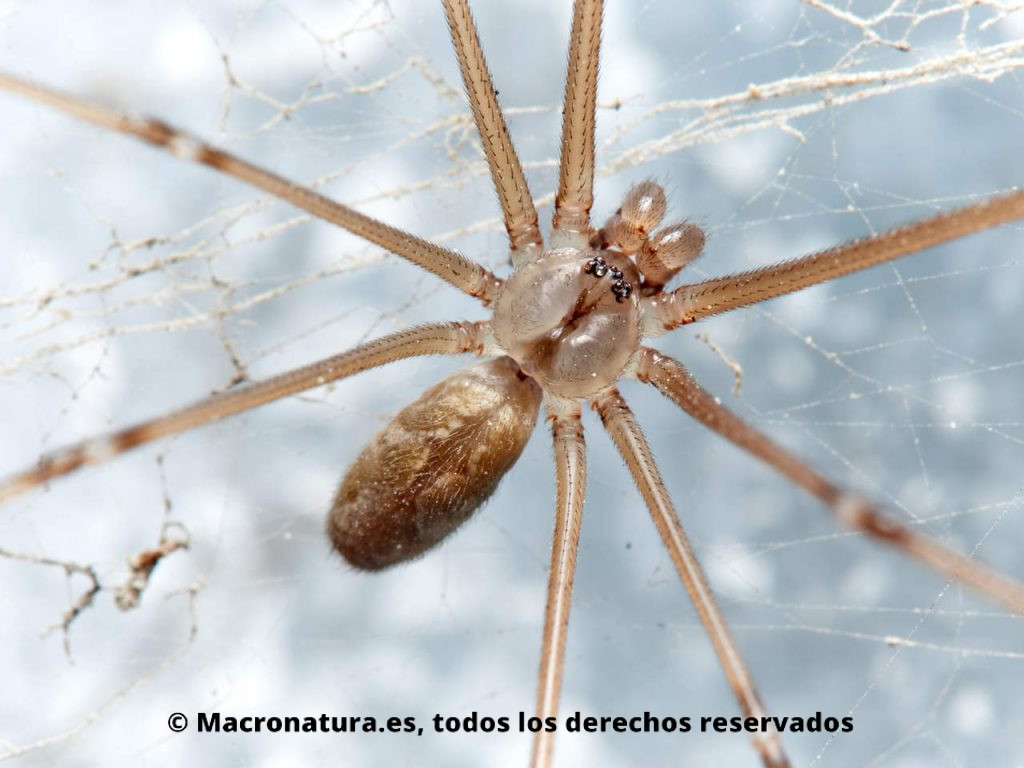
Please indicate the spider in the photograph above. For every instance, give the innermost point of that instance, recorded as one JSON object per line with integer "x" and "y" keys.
{"x": 602, "y": 290}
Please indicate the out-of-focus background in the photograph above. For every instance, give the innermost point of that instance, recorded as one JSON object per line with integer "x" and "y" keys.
{"x": 133, "y": 283}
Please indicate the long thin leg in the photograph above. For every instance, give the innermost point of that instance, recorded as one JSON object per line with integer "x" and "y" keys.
{"x": 689, "y": 303}
{"x": 625, "y": 432}
{"x": 576, "y": 170}
{"x": 675, "y": 382}
{"x": 506, "y": 171}
{"x": 452, "y": 267}
{"x": 433, "y": 339}
{"x": 570, "y": 467}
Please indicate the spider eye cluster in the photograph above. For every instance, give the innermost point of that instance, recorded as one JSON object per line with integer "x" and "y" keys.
{"x": 598, "y": 267}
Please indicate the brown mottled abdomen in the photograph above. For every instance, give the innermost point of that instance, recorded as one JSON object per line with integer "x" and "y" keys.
{"x": 433, "y": 465}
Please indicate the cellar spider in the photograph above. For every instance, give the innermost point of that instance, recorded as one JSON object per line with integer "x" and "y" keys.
{"x": 709, "y": 268}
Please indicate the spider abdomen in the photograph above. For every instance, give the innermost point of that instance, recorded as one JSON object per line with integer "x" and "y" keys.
{"x": 438, "y": 460}
{"x": 570, "y": 326}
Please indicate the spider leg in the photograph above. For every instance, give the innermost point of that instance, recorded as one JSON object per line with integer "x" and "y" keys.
{"x": 689, "y": 303}
{"x": 570, "y": 466}
{"x": 433, "y": 339}
{"x": 575, "y": 196}
{"x": 452, "y": 267}
{"x": 625, "y": 432}
{"x": 506, "y": 170}
{"x": 673, "y": 380}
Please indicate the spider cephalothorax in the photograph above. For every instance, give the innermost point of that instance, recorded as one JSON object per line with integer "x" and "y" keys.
{"x": 568, "y": 324}
{"x": 566, "y": 329}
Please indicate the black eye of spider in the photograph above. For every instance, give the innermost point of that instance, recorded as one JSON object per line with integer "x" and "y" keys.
{"x": 598, "y": 267}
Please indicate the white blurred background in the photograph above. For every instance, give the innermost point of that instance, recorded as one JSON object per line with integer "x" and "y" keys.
{"x": 134, "y": 283}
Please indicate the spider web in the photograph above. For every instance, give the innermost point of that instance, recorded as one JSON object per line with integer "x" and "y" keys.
{"x": 135, "y": 283}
